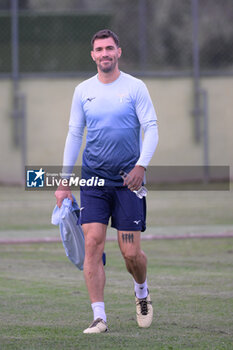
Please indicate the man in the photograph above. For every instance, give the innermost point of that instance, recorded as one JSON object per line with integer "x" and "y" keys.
{"x": 113, "y": 106}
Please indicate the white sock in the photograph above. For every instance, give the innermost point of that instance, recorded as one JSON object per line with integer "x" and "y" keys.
{"x": 141, "y": 290}
{"x": 98, "y": 310}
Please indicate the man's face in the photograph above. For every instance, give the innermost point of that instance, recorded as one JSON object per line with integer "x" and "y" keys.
{"x": 105, "y": 53}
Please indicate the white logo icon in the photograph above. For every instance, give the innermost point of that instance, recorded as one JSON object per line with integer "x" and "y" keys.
{"x": 122, "y": 96}
{"x": 39, "y": 174}
{"x": 137, "y": 221}
{"x": 35, "y": 178}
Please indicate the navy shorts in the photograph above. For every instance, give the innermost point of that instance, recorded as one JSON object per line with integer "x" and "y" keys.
{"x": 127, "y": 211}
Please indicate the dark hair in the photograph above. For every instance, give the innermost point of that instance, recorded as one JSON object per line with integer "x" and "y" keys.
{"x": 103, "y": 34}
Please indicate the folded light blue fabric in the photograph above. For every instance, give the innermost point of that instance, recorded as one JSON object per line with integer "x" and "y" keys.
{"x": 67, "y": 217}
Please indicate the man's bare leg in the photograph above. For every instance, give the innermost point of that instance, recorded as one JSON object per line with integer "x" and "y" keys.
{"x": 95, "y": 236}
{"x": 136, "y": 263}
{"x": 135, "y": 258}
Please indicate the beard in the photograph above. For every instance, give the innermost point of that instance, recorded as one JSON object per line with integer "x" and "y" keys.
{"x": 108, "y": 68}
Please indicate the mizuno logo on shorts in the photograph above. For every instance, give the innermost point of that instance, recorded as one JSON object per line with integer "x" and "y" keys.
{"x": 137, "y": 221}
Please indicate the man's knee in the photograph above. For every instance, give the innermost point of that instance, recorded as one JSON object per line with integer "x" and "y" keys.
{"x": 93, "y": 246}
{"x": 133, "y": 256}
{"x": 130, "y": 255}
{"x": 92, "y": 243}
{"x": 94, "y": 234}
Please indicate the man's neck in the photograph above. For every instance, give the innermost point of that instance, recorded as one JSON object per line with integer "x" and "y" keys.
{"x": 107, "y": 78}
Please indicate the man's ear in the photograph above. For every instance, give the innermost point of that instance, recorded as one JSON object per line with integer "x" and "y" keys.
{"x": 92, "y": 55}
{"x": 119, "y": 52}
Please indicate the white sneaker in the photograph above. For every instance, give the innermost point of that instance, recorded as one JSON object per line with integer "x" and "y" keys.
{"x": 97, "y": 326}
{"x": 144, "y": 311}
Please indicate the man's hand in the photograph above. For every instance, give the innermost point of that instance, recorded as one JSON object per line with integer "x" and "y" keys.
{"x": 135, "y": 178}
{"x": 61, "y": 193}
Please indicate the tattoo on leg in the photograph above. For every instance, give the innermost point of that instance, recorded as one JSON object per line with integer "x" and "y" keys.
{"x": 127, "y": 237}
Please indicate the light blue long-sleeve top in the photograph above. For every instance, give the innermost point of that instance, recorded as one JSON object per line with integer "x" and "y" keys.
{"x": 114, "y": 115}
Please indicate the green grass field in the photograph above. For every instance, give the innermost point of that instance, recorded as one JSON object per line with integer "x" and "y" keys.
{"x": 43, "y": 299}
